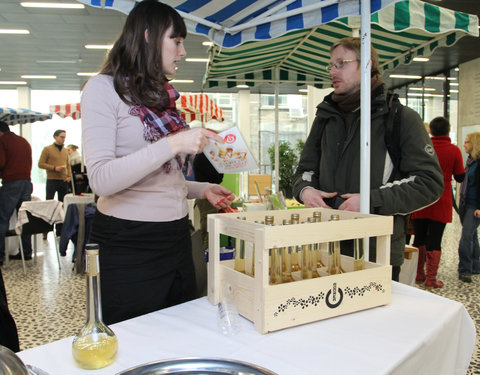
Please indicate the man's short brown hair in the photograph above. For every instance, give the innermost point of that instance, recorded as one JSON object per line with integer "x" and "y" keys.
{"x": 354, "y": 44}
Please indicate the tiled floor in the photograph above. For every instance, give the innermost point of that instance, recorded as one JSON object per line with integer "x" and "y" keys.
{"x": 49, "y": 304}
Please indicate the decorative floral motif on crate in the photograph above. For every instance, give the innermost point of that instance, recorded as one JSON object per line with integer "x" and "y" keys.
{"x": 333, "y": 298}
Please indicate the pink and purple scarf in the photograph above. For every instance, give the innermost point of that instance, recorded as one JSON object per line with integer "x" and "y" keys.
{"x": 160, "y": 123}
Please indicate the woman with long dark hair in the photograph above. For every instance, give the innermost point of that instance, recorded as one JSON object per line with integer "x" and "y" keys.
{"x": 136, "y": 146}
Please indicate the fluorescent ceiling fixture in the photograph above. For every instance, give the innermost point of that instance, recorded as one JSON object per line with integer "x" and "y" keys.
{"x": 429, "y": 95}
{"x": 421, "y": 59}
{"x": 98, "y": 46}
{"x": 52, "y": 5}
{"x": 37, "y": 77}
{"x": 86, "y": 74}
{"x": 436, "y": 78}
{"x": 56, "y": 61}
{"x": 182, "y": 81}
{"x": 454, "y": 84}
{"x": 458, "y": 69}
{"x": 404, "y": 76}
{"x": 420, "y": 88}
{"x": 452, "y": 78}
{"x": 14, "y": 31}
{"x": 303, "y": 90}
{"x": 13, "y": 83}
{"x": 196, "y": 59}
{"x": 454, "y": 91}
{"x": 207, "y": 43}
{"x": 242, "y": 86}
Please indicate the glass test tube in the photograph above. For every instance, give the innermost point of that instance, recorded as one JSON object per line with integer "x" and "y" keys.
{"x": 358, "y": 258}
{"x": 239, "y": 264}
{"x": 334, "y": 252}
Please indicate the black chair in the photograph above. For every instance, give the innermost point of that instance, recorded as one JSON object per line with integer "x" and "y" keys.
{"x": 35, "y": 225}
{"x": 80, "y": 183}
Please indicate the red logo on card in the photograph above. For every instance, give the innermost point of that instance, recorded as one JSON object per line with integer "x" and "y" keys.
{"x": 230, "y": 138}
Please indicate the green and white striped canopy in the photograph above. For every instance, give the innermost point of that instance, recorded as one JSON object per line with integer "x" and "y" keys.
{"x": 399, "y": 33}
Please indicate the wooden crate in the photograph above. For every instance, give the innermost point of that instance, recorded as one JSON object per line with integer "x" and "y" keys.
{"x": 274, "y": 307}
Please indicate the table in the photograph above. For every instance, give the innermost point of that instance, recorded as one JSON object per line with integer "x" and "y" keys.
{"x": 418, "y": 333}
{"x": 83, "y": 198}
{"x": 49, "y": 210}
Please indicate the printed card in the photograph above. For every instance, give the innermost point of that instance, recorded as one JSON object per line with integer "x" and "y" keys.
{"x": 233, "y": 155}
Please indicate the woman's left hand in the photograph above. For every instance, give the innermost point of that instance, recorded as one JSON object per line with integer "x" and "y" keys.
{"x": 219, "y": 196}
{"x": 476, "y": 214}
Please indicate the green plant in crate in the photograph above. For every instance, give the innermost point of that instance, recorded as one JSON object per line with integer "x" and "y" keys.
{"x": 288, "y": 157}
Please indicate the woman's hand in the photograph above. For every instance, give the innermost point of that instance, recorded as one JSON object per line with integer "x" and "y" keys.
{"x": 476, "y": 214}
{"x": 192, "y": 141}
{"x": 219, "y": 196}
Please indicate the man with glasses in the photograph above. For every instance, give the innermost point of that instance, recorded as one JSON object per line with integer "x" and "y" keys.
{"x": 54, "y": 159}
{"x": 328, "y": 174}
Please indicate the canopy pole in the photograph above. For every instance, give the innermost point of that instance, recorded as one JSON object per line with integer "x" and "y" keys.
{"x": 365, "y": 108}
{"x": 277, "y": 153}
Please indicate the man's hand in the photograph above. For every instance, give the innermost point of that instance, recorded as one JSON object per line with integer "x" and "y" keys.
{"x": 351, "y": 203}
{"x": 59, "y": 168}
{"x": 314, "y": 198}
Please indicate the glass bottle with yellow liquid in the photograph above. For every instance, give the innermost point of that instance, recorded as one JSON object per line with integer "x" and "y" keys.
{"x": 95, "y": 346}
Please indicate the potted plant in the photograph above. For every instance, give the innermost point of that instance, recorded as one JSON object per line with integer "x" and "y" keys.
{"x": 288, "y": 158}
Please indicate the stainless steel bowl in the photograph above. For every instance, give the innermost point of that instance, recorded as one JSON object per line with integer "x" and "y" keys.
{"x": 197, "y": 366}
{"x": 10, "y": 363}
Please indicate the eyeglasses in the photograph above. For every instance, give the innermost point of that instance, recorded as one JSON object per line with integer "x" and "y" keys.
{"x": 338, "y": 65}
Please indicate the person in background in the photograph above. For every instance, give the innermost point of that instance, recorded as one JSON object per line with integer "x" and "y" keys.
{"x": 54, "y": 159}
{"x": 135, "y": 146}
{"x": 74, "y": 158}
{"x": 429, "y": 223}
{"x": 469, "y": 211}
{"x": 328, "y": 173}
{"x": 15, "y": 169}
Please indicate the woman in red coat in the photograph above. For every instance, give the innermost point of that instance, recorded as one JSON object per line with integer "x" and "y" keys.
{"x": 429, "y": 223}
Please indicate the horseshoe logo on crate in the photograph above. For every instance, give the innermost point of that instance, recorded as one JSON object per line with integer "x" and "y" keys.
{"x": 336, "y": 300}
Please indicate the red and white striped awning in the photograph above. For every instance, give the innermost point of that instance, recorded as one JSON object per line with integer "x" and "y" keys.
{"x": 199, "y": 107}
{"x": 67, "y": 110}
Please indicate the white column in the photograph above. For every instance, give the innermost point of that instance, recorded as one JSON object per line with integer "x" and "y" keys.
{"x": 24, "y": 101}
{"x": 243, "y": 124}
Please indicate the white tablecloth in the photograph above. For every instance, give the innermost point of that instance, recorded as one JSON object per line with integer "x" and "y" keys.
{"x": 418, "y": 333}
{"x": 84, "y": 198}
{"x": 49, "y": 210}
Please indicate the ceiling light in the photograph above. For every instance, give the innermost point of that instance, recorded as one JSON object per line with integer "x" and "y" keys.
{"x": 242, "y": 86}
{"x": 429, "y": 95}
{"x": 207, "y": 43}
{"x": 56, "y": 61}
{"x": 458, "y": 69}
{"x": 86, "y": 74}
{"x": 52, "y": 5}
{"x": 196, "y": 59}
{"x": 420, "y": 88}
{"x": 455, "y": 91}
{"x": 14, "y": 31}
{"x": 37, "y": 77}
{"x": 436, "y": 78}
{"x": 13, "y": 83}
{"x": 302, "y": 90}
{"x": 421, "y": 59}
{"x": 182, "y": 81}
{"x": 453, "y": 83}
{"x": 406, "y": 76}
{"x": 98, "y": 46}
{"x": 452, "y": 78}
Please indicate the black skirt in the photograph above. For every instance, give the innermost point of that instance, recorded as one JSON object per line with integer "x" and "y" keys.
{"x": 144, "y": 266}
